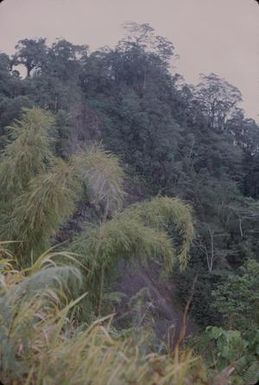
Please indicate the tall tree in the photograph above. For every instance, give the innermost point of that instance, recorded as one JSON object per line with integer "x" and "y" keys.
{"x": 31, "y": 53}
{"x": 217, "y": 99}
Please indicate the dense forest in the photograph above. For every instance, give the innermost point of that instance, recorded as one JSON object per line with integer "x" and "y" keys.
{"x": 129, "y": 219}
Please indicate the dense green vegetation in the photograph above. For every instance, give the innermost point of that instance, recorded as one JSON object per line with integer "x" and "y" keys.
{"x": 113, "y": 157}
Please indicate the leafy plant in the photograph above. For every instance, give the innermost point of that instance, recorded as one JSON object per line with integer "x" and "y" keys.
{"x": 40, "y": 342}
{"x": 140, "y": 233}
{"x": 40, "y": 191}
{"x": 237, "y": 298}
{"x": 230, "y": 348}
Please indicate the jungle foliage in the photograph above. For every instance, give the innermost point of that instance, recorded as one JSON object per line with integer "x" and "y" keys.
{"x": 112, "y": 153}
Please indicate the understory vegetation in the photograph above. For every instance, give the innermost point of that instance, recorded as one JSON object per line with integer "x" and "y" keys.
{"x": 112, "y": 163}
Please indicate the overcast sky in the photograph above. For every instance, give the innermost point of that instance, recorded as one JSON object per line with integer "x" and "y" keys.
{"x": 220, "y": 36}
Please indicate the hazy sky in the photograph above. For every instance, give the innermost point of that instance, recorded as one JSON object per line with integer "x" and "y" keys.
{"x": 220, "y": 36}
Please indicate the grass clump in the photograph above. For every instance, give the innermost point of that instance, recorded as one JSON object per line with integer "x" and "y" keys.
{"x": 42, "y": 344}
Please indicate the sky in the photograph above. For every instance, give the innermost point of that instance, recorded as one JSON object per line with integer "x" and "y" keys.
{"x": 220, "y": 36}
